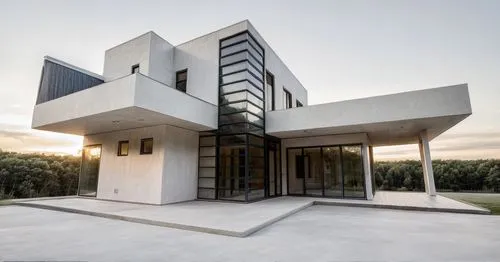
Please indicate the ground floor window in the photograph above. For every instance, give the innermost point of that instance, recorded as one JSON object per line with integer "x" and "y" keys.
{"x": 329, "y": 171}
{"x": 89, "y": 172}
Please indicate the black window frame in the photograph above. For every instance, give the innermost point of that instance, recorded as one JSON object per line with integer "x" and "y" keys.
{"x": 120, "y": 153}
{"x": 288, "y": 99}
{"x": 273, "y": 104}
{"x": 298, "y": 103}
{"x": 134, "y": 67}
{"x": 177, "y": 81}
{"x": 142, "y": 152}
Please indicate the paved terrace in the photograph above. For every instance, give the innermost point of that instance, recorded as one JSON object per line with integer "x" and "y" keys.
{"x": 238, "y": 219}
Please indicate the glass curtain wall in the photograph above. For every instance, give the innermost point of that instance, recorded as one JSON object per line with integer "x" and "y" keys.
{"x": 207, "y": 166}
{"x": 89, "y": 172}
{"x": 313, "y": 169}
{"x": 330, "y": 171}
{"x": 240, "y": 137}
{"x": 273, "y": 167}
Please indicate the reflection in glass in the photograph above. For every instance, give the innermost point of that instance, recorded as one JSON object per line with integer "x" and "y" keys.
{"x": 272, "y": 172}
{"x": 233, "y": 77}
{"x": 279, "y": 177}
{"x": 234, "y": 67}
{"x": 233, "y": 49}
{"x": 232, "y": 173}
{"x": 233, "y": 40}
{"x": 352, "y": 168}
{"x": 273, "y": 167}
{"x": 269, "y": 91}
{"x": 89, "y": 173}
{"x": 313, "y": 171}
{"x": 256, "y": 46}
{"x": 295, "y": 169}
{"x": 241, "y": 165}
{"x": 332, "y": 170}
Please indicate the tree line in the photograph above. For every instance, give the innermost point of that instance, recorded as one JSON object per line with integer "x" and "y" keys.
{"x": 39, "y": 175}
{"x": 449, "y": 175}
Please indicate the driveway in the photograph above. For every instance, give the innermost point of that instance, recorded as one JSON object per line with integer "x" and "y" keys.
{"x": 318, "y": 233}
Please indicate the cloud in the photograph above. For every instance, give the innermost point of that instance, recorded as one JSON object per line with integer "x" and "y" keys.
{"x": 23, "y": 140}
{"x": 477, "y": 145}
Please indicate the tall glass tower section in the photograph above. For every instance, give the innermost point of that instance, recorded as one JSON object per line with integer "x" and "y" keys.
{"x": 240, "y": 137}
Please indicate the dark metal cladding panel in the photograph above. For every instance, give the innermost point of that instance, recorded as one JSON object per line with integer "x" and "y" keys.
{"x": 58, "y": 80}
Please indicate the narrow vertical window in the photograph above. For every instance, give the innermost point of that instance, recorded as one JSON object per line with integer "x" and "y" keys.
{"x": 135, "y": 69}
{"x": 181, "y": 80}
{"x": 287, "y": 99}
{"x": 123, "y": 148}
{"x": 269, "y": 92}
{"x": 298, "y": 103}
{"x": 147, "y": 146}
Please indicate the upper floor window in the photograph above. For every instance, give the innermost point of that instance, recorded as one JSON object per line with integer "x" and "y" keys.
{"x": 269, "y": 91}
{"x": 135, "y": 69}
{"x": 123, "y": 148}
{"x": 287, "y": 99}
{"x": 181, "y": 80}
{"x": 147, "y": 146}
{"x": 299, "y": 104}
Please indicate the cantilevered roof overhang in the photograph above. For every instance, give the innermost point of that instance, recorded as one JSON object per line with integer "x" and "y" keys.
{"x": 130, "y": 102}
{"x": 388, "y": 120}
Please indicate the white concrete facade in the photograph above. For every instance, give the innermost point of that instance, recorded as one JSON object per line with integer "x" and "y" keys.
{"x": 168, "y": 175}
{"x": 131, "y": 106}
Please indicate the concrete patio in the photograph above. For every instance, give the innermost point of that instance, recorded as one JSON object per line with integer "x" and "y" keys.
{"x": 241, "y": 220}
{"x": 318, "y": 233}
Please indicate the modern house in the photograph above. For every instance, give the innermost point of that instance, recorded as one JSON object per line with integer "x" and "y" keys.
{"x": 222, "y": 117}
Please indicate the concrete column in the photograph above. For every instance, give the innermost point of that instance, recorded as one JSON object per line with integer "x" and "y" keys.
{"x": 425, "y": 158}
{"x": 367, "y": 169}
{"x": 372, "y": 173}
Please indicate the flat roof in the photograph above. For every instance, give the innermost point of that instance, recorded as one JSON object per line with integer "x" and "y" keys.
{"x": 388, "y": 120}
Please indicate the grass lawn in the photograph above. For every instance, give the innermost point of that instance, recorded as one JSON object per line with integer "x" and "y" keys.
{"x": 489, "y": 201}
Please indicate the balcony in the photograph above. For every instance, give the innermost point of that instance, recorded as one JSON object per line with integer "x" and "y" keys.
{"x": 73, "y": 101}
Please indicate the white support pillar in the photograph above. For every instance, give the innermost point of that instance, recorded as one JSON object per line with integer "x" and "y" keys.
{"x": 367, "y": 169}
{"x": 425, "y": 158}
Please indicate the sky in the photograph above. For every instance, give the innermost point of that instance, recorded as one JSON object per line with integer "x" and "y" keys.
{"x": 338, "y": 50}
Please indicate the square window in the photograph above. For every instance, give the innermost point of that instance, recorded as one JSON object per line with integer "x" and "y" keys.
{"x": 299, "y": 104}
{"x": 181, "y": 80}
{"x": 147, "y": 146}
{"x": 135, "y": 69}
{"x": 123, "y": 148}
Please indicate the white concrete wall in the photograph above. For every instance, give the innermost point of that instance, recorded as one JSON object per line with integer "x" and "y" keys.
{"x": 361, "y": 138}
{"x": 93, "y": 110}
{"x": 201, "y": 57}
{"x": 168, "y": 175}
{"x": 86, "y": 102}
{"x": 136, "y": 177}
{"x": 283, "y": 77}
{"x": 428, "y": 103}
{"x": 180, "y": 168}
{"x": 156, "y": 97}
{"x": 118, "y": 61}
{"x": 161, "y": 61}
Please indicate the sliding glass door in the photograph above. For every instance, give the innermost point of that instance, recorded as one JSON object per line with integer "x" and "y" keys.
{"x": 352, "y": 167}
{"x": 89, "y": 172}
{"x": 332, "y": 170}
{"x": 273, "y": 168}
{"x": 313, "y": 168}
{"x": 329, "y": 171}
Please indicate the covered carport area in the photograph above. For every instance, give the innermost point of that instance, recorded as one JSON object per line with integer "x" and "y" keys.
{"x": 414, "y": 117}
